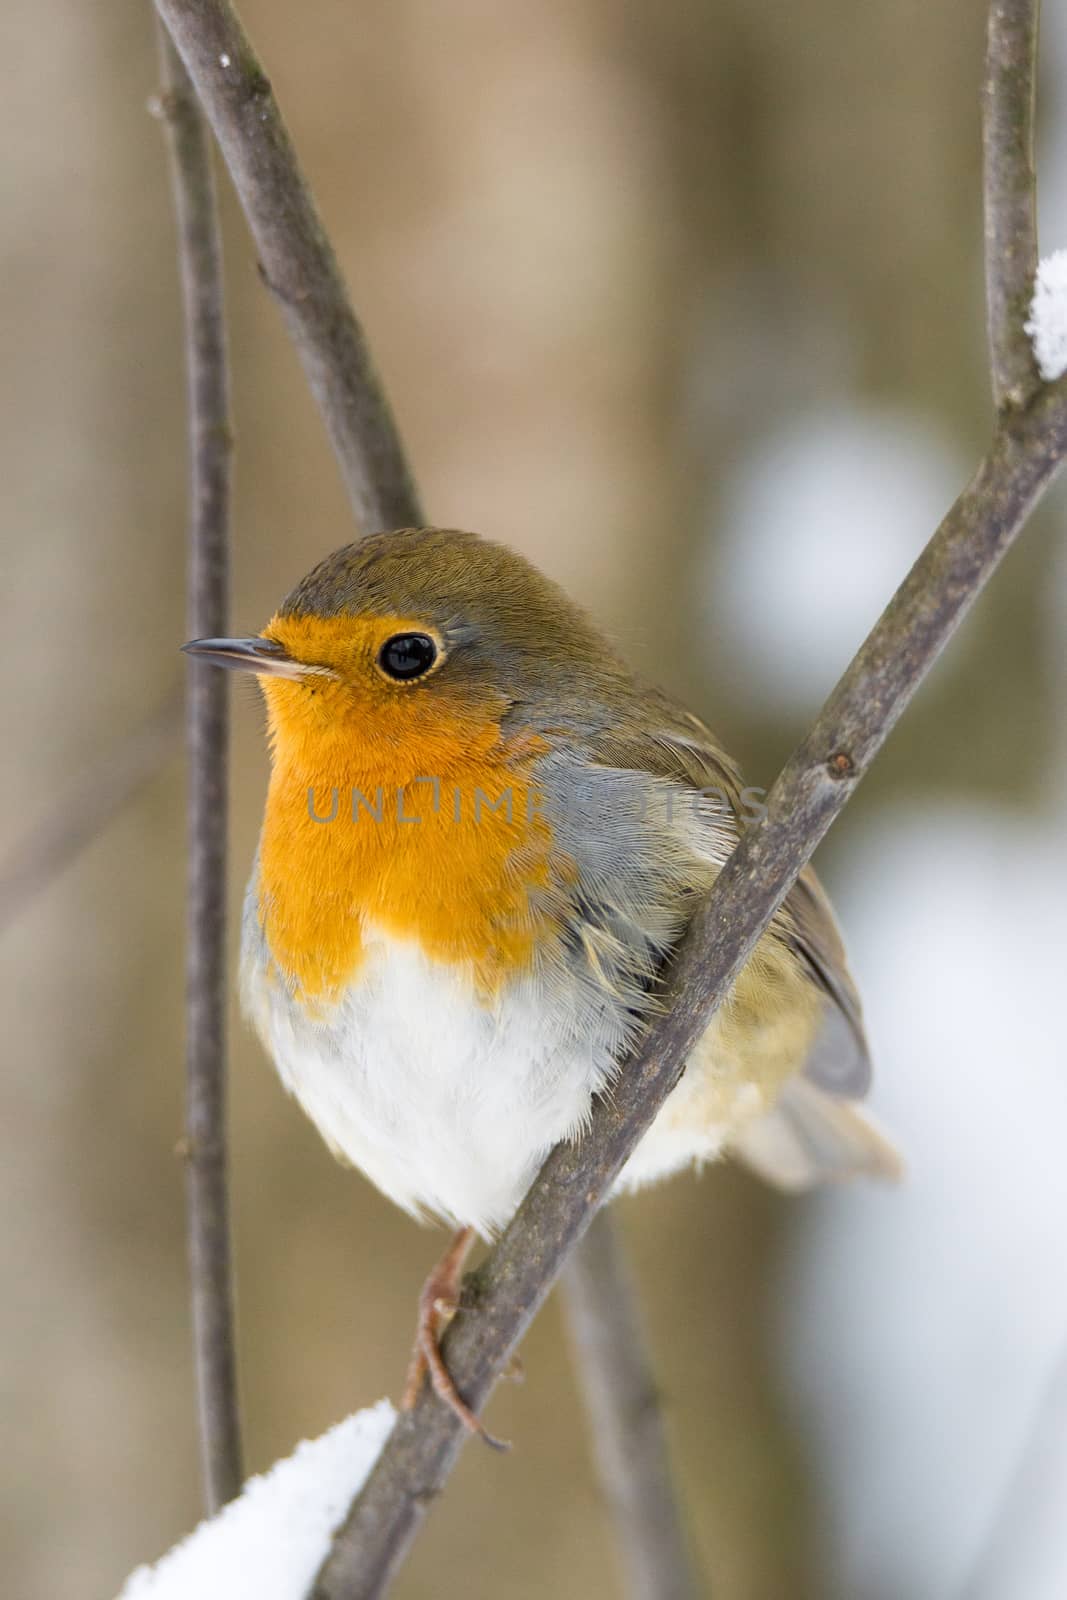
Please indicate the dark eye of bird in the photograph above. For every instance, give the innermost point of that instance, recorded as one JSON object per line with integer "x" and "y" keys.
{"x": 407, "y": 655}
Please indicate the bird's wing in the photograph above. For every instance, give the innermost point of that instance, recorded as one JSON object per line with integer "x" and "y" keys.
{"x": 672, "y": 743}
{"x": 675, "y": 744}
{"x": 839, "y": 1062}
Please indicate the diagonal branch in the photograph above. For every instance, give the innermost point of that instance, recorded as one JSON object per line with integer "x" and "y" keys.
{"x": 211, "y": 1272}
{"x": 1010, "y": 195}
{"x": 296, "y": 258}
{"x": 820, "y": 777}
{"x": 626, "y": 1418}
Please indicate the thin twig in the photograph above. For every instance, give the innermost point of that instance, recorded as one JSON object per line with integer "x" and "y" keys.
{"x": 296, "y": 258}
{"x": 1009, "y": 184}
{"x": 626, "y": 1418}
{"x": 210, "y": 1263}
{"x": 88, "y": 806}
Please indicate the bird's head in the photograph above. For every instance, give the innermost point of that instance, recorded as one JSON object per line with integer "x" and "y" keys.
{"x": 405, "y": 649}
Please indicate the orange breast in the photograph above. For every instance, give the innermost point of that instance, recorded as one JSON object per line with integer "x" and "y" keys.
{"x": 442, "y": 846}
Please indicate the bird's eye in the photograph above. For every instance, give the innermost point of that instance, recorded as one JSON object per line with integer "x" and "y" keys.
{"x": 407, "y": 655}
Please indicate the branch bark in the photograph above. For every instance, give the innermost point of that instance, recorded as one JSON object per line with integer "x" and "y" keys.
{"x": 626, "y": 1421}
{"x": 508, "y": 1290}
{"x": 1010, "y": 195}
{"x": 207, "y": 376}
{"x": 296, "y": 258}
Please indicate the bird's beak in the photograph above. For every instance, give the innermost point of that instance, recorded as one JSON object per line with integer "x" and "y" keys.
{"x": 259, "y": 655}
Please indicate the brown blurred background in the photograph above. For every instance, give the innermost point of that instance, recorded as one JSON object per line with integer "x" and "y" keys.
{"x": 602, "y": 251}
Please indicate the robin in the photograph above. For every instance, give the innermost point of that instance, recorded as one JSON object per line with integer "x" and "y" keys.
{"x": 483, "y": 837}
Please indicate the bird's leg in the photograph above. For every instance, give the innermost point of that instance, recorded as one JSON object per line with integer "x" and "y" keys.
{"x": 438, "y": 1304}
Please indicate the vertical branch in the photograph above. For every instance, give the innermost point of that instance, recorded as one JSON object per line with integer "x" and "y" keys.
{"x": 625, "y": 1418}
{"x": 200, "y": 255}
{"x": 296, "y": 258}
{"x": 1009, "y": 195}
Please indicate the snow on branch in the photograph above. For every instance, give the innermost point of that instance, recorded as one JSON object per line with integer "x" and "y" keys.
{"x": 270, "y": 1541}
{"x": 1047, "y": 326}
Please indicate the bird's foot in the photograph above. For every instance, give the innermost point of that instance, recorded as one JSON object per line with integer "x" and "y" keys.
{"x": 438, "y": 1304}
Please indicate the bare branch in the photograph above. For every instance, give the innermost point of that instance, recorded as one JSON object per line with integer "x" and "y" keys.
{"x": 211, "y": 1271}
{"x": 297, "y": 259}
{"x": 626, "y": 1419}
{"x": 507, "y": 1291}
{"x": 1010, "y": 195}
{"x": 100, "y": 795}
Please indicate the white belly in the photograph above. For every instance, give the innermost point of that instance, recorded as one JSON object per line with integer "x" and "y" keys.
{"x": 448, "y": 1106}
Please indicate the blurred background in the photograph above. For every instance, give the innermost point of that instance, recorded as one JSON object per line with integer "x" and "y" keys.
{"x": 683, "y": 300}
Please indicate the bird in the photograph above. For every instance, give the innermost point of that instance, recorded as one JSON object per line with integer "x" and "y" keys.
{"x": 484, "y": 835}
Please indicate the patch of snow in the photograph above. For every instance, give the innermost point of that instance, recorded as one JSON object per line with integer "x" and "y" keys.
{"x": 1047, "y": 326}
{"x": 271, "y": 1540}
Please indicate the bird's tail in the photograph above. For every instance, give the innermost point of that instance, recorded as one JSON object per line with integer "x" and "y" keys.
{"x": 809, "y": 1137}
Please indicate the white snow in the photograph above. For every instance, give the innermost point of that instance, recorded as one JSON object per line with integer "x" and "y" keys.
{"x": 270, "y": 1541}
{"x": 1047, "y": 326}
